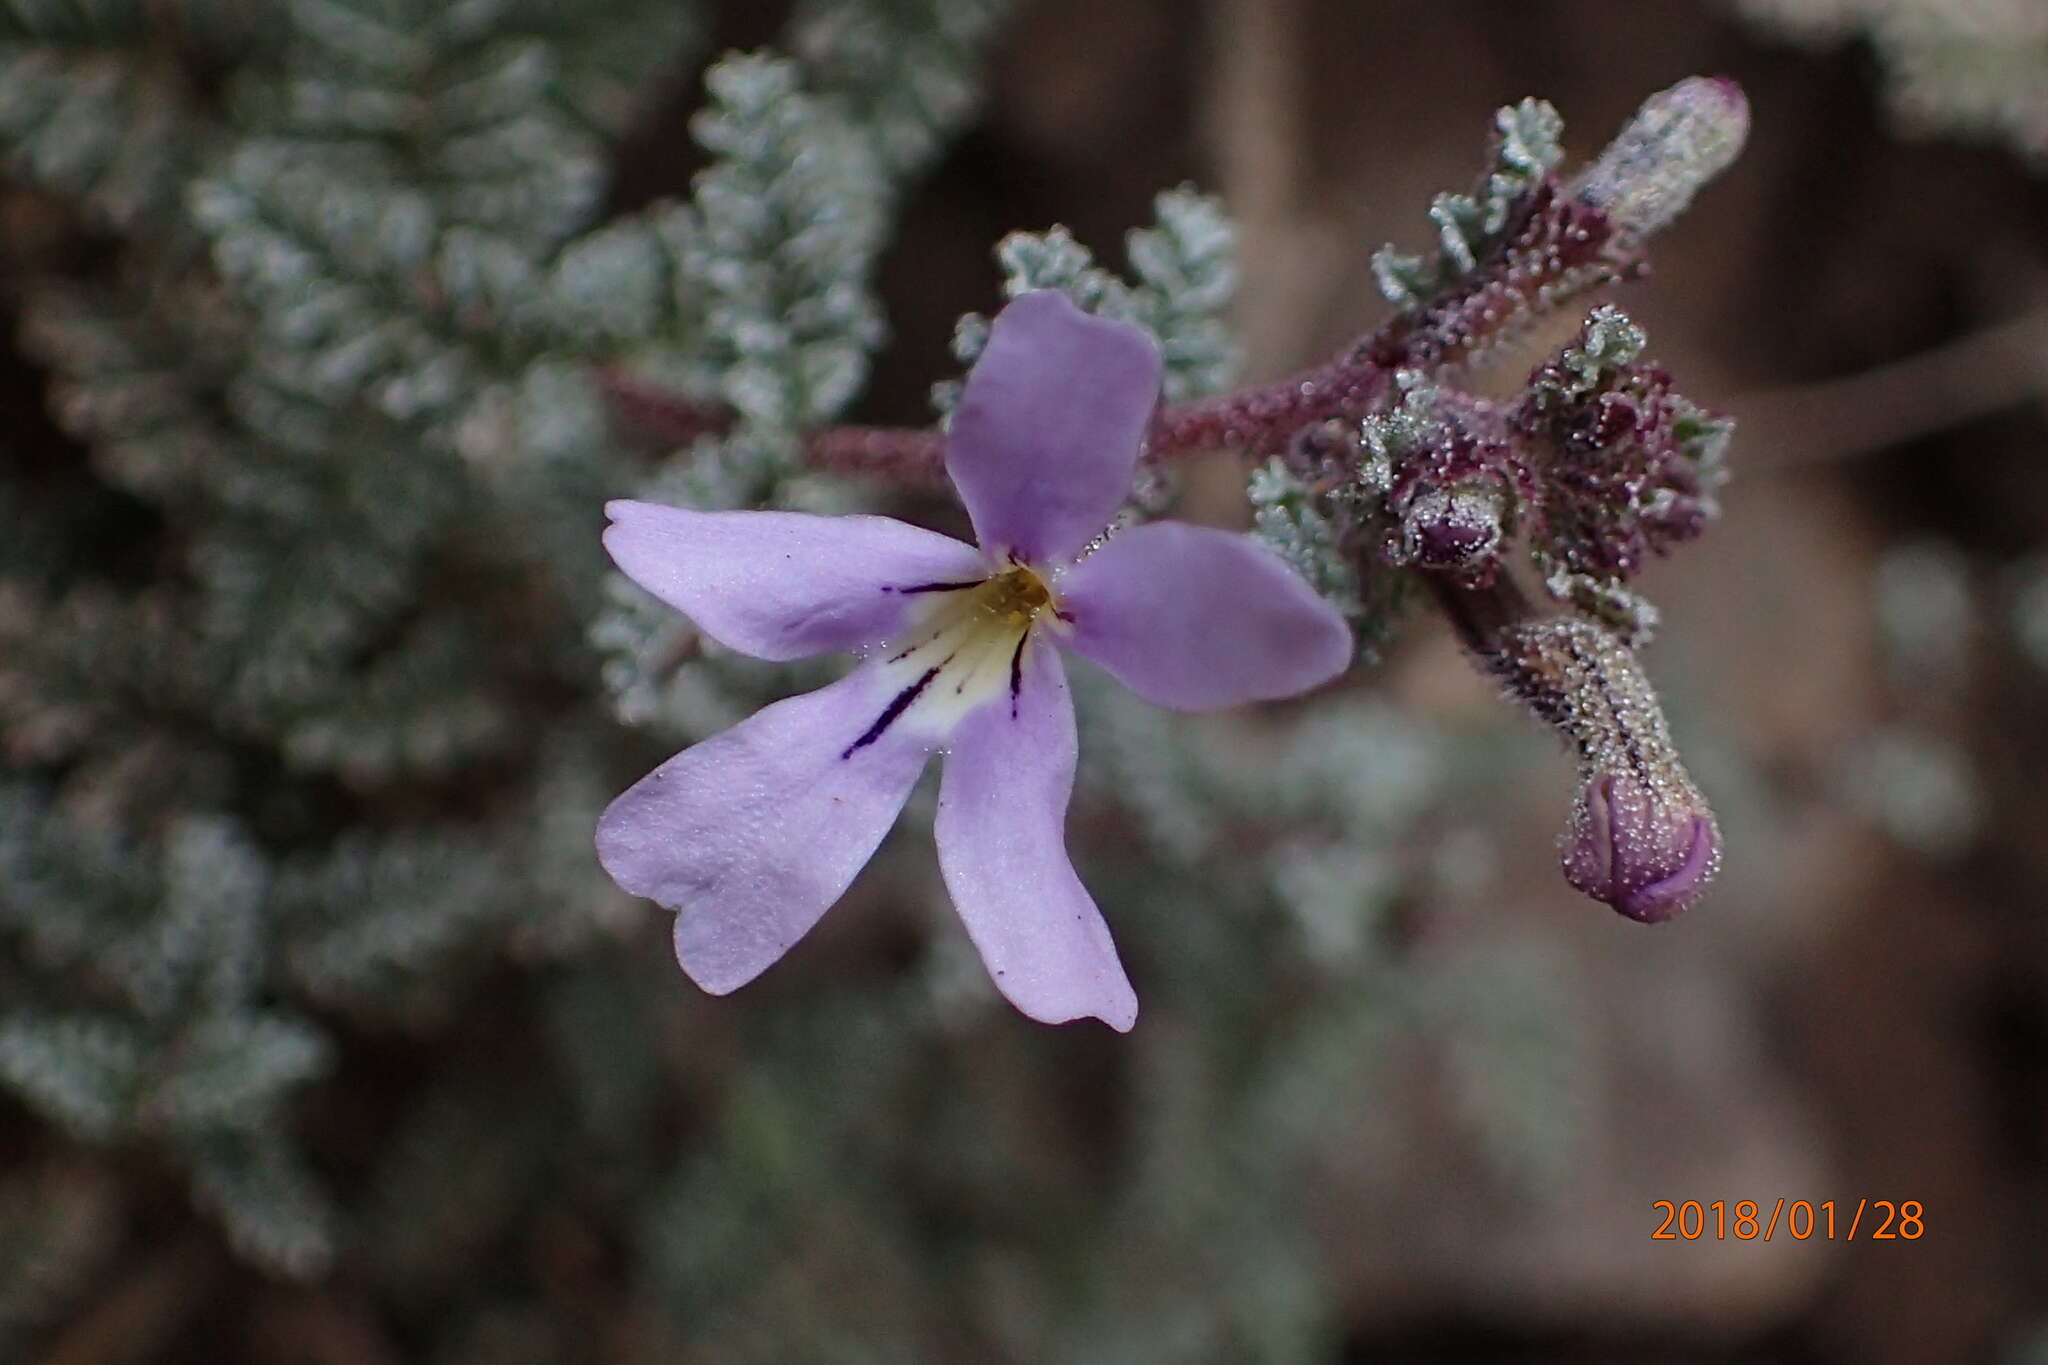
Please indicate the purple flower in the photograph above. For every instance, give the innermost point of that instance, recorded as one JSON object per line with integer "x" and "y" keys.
{"x": 754, "y": 833}
{"x": 1643, "y": 842}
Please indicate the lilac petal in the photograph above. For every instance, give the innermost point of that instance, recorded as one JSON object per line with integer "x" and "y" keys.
{"x": 783, "y": 585}
{"x": 754, "y": 833}
{"x": 1195, "y": 619}
{"x": 1047, "y": 431}
{"x": 1001, "y": 832}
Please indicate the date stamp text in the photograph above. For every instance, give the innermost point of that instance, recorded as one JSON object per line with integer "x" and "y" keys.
{"x": 1747, "y": 1220}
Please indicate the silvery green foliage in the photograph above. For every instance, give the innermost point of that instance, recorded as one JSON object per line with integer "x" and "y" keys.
{"x": 756, "y": 291}
{"x": 905, "y": 69}
{"x": 1411, "y": 426}
{"x": 1611, "y": 341}
{"x": 81, "y": 1072}
{"x": 1288, "y": 516}
{"x": 271, "y": 1205}
{"x": 375, "y": 198}
{"x": 1185, "y": 268}
{"x": 302, "y": 734}
{"x": 797, "y": 192}
{"x": 375, "y": 923}
{"x": 124, "y": 161}
{"x": 1186, "y": 271}
{"x": 92, "y": 106}
{"x": 1971, "y": 68}
{"x": 1332, "y": 527}
{"x": 1525, "y": 148}
{"x": 762, "y": 283}
{"x": 172, "y": 1036}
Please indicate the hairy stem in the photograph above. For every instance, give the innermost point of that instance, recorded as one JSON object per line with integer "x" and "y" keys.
{"x": 1480, "y": 614}
{"x": 1255, "y": 422}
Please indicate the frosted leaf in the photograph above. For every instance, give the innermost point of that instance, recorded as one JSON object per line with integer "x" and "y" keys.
{"x": 230, "y": 1071}
{"x": 274, "y": 1211}
{"x": 81, "y": 1072}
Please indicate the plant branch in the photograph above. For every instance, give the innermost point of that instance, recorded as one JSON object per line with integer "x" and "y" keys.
{"x": 1254, "y": 422}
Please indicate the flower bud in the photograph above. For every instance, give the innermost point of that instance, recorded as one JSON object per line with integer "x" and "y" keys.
{"x": 1454, "y": 528}
{"x": 1646, "y": 847}
{"x": 1640, "y": 837}
{"x": 1679, "y": 140}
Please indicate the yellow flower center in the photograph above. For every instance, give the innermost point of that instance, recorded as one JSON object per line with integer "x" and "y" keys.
{"x": 968, "y": 648}
{"x": 1014, "y": 598}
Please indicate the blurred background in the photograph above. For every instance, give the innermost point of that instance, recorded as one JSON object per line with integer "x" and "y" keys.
{"x": 323, "y": 1040}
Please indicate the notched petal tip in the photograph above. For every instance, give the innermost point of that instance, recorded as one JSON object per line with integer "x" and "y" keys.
{"x": 1648, "y": 851}
{"x": 708, "y": 966}
{"x": 752, "y": 834}
{"x": 622, "y": 517}
{"x": 1120, "y": 1013}
{"x": 634, "y": 849}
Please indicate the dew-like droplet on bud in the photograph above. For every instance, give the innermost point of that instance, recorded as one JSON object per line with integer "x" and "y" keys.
{"x": 1647, "y": 848}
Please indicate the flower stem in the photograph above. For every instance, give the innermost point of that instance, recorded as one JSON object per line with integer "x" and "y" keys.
{"x": 1255, "y": 422}
{"x": 1480, "y": 615}
{"x": 904, "y": 454}
{"x": 1260, "y": 421}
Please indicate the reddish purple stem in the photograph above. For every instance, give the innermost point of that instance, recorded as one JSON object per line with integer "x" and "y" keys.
{"x": 1254, "y": 422}
{"x": 658, "y": 417}
{"x": 904, "y": 454}
{"x": 1260, "y": 421}
{"x": 1558, "y": 248}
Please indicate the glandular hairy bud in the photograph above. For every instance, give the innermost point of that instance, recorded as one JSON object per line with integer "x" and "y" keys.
{"x": 1457, "y": 528}
{"x": 1641, "y": 837}
{"x": 1679, "y": 140}
{"x": 1645, "y": 845}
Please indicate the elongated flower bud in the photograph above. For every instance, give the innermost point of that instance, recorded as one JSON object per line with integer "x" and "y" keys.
{"x": 1679, "y": 140}
{"x": 1641, "y": 837}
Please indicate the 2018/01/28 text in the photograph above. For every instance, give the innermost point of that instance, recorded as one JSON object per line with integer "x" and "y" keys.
{"x": 1799, "y": 1219}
